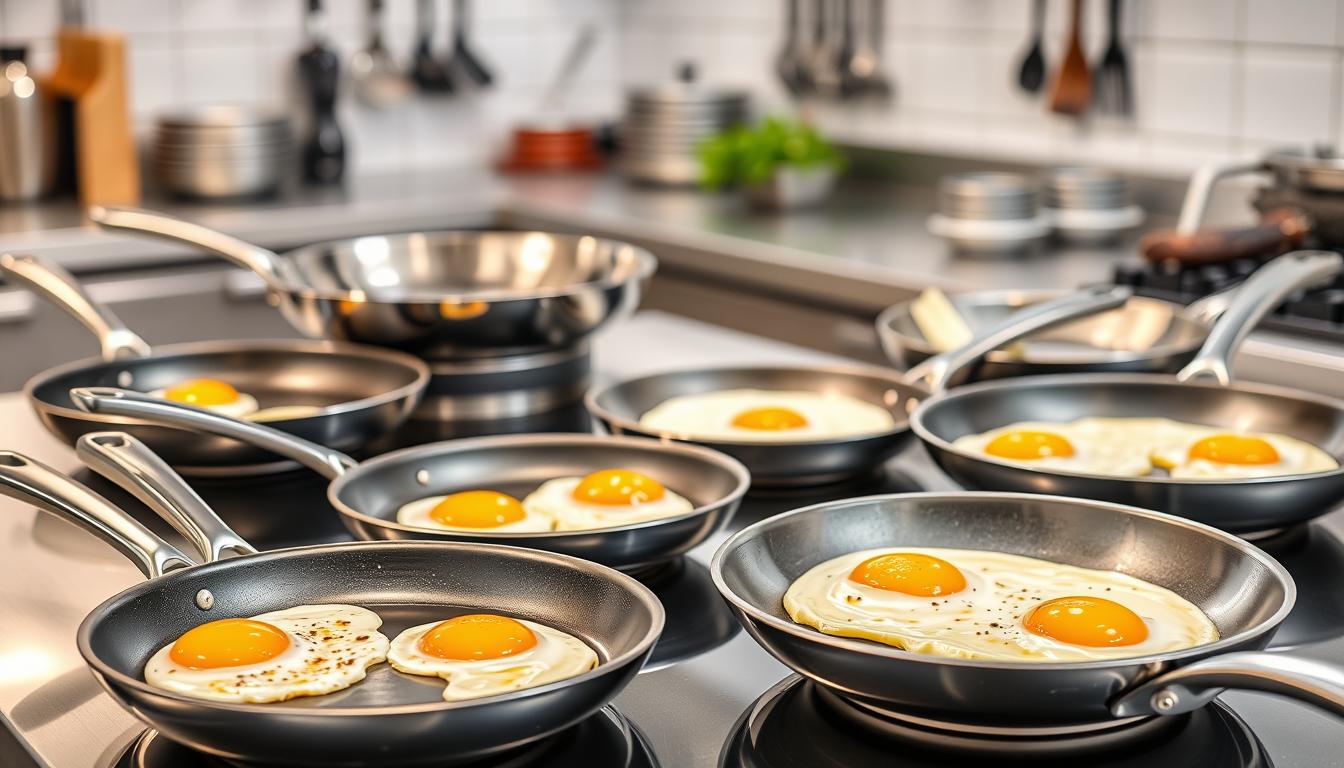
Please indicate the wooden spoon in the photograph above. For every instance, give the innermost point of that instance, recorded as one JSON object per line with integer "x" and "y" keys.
{"x": 1073, "y": 85}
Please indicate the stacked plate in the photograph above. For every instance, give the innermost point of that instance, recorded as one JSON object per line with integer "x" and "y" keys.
{"x": 989, "y": 212}
{"x": 664, "y": 126}
{"x": 1089, "y": 205}
{"x": 223, "y": 152}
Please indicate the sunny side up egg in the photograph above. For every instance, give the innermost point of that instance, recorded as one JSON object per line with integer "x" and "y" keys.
{"x": 487, "y": 654}
{"x": 1092, "y": 446}
{"x": 210, "y": 394}
{"x": 975, "y": 604}
{"x": 753, "y": 415}
{"x": 308, "y": 650}
{"x": 1191, "y": 451}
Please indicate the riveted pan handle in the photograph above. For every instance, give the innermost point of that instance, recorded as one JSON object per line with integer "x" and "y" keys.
{"x": 121, "y": 402}
{"x": 1264, "y": 290}
{"x": 935, "y": 372}
{"x": 1194, "y": 685}
{"x": 131, "y": 464}
{"x": 47, "y": 279}
{"x": 28, "y": 480}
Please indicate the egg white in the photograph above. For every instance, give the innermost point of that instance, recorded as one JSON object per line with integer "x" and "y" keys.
{"x": 1099, "y": 447}
{"x": 555, "y": 500}
{"x": 1295, "y": 456}
{"x": 984, "y": 620}
{"x": 284, "y": 412}
{"x": 709, "y": 416}
{"x": 417, "y": 513}
{"x": 330, "y": 648}
{"x": 556, "y": 656}
{"x": 243, "y": 406}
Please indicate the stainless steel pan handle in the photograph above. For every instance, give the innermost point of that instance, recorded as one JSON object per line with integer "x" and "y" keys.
{"x": 1264, "y": 290}
{"x": 120, "y": 402}
{"x": 30, "y": 481}
{"x": 51, "y": 281}
{"x": 935, "y": 372}
{"x": 1201, "y": 189}
{"x": 131, "y": 464}
{"x": 1194, "y": 685}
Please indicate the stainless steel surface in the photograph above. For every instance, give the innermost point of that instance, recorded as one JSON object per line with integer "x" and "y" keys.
{"x": 862, "y": 74}
{"x": 28, "y": 147}
{"x": 222, "y": 152}
{"x": 1319, "y": 168}
{"x": 378, "y": 80}
{"x": 988, "y": 196}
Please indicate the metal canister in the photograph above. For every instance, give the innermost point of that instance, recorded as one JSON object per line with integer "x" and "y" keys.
{"x": 27, "y": 147}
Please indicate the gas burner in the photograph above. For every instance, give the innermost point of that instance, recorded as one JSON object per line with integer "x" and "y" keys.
{"x": 418, "y": 431}
{"x": 1315, "y": 558}
{"x": 698, "y": 620}
{"x": 798, "y": 723}
{"x": 761, "y": 503}
{"x": 505, "y": 387}
{"x": 605, "y": 740}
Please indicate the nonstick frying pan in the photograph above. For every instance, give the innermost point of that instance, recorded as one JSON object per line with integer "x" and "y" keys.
{"x": 1245, "y": 592}
{"x": 364, "y": 392}
{"x": 389, "y": 718}
{"x": 441, "y": 295}
{"x": 368, "y": 495}
{"x": 1200, "y": 394}
{"x": 620, "y": 406}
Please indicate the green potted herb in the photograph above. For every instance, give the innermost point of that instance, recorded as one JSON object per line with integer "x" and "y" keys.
{"x": 777, "y": 164}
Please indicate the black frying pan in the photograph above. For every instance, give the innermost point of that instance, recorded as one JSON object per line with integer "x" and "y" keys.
{"x": 363, "y": 392}
{"x": 1235, "y": 505}
{"x": 388, "y": 718}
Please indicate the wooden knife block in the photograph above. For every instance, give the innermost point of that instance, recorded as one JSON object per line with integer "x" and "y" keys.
{"x": 93, "y": 110}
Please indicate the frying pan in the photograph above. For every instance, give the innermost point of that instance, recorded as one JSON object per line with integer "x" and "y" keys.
{"x": 365, "y": 392}
{"x": 441, "y": 295}
{"x": 388, "y": 718}
{"x": 368, "y": 495}
{"x": 1245, "y": 592}
{"x": 1241, "y": 505}
{"x": 620, "y": 406}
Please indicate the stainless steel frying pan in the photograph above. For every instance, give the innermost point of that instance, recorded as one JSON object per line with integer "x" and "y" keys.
{"x": 620, "y": 406}
{"x": 368, "y": 495}
{"x": 441, "y": 295}
{"x": 1241, "y": 589}
{"x": 388, "y": 718}
{"x": 1245, "y": 505}
{"x": 363, "y": 392}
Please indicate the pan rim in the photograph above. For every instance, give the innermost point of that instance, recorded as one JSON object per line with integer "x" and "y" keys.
{"x": 929, "y": 438}
{"x": 870, "y": 648}
{"x": 365, "y": 351}
{"x": 707, "y": 455}
{"x": 918, "y": 395}
{"x": 641, "y": 648}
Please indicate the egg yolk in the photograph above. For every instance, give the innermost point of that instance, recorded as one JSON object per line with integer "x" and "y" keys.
{"x": 1234, "y": 449}
{"x": 202, "y": 392}
{"x": 618, "y": 488}
{"x": 229, "y": 643}
{"x": 910, "y": 573}
{"x": 770, "y": 419}
{"x": 454, "y": 310}
{"x": 1029, "y": 445}
{"x": 1091, "y": 621}
{"x": 477, "y": 636}
{"x": 477, "y": 509}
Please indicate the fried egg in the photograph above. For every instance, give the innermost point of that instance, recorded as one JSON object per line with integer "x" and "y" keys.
{"x": 1088, "y": 445}
{"x": 210, "y": 394}
{"x": 484, "y": 654}
{"x": 974, "y": 604}
{"x": 754, "y": 415}
{"x": 1196, "y": 452}
{"x": 603, "y": 499}
{"x": 473, "y": 511}
{"x": 308, "y": 650}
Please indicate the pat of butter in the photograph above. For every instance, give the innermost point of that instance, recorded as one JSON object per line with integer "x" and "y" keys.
{"x": 943, "y": 325}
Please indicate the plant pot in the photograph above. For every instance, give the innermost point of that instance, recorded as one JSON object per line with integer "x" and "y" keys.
{"x": 792, "y": 188}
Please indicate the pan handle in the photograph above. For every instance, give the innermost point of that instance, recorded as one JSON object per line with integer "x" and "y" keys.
{"x": 131, "y": 464}
{"x": 1192, "y": 686}
{"x": 246, "y": 255}
{"x": 31, "y": 481}
{"x": 121, "y": 402}
{"x": 51, "y": 281}
{"x": 1264, "y": 290}
{"x": 935, "y": 372}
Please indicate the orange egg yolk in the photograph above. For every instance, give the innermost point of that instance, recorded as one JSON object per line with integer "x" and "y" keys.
{"x": 1029, "y": 445}
{"x": 478, "y": 509}
{"x": 618, "y": 488}
{"x": 229, "y": 643}
{"x": 910, "y": 573}
{"x": 477, "y": 636}
{"x": 1234, "y": 449}
{"x": 1092, "y": 621}
{"x": 202, "y": 392}
{"x": 770, "y": 419}
{"x": 453, "y": 310}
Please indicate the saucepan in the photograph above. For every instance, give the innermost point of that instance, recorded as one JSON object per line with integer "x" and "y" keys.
{"x": 1243, "y": 591}
{"x": 441, "y": 295}
{"x": 361, "y": 392}
{"x": 387, "y": 719}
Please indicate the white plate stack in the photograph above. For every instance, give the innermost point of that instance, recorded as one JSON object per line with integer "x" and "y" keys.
{"x": 989, "y": 213}
{"x": 1089, "y": 205}
{"x": 664, "y": 125}
{"x": 223, "y": 151}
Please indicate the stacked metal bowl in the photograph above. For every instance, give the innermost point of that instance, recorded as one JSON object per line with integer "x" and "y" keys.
{"x": 223, "y": 151}
{"x": 664, "y": 126}
{"x": 1089, "y": 205}
{"x": 989, "y": 212}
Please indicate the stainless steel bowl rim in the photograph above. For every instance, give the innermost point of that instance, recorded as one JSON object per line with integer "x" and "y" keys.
{"x": 869, "y": 648}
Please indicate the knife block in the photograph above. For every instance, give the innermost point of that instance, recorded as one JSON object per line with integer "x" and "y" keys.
{"x": 97, "y": 145}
